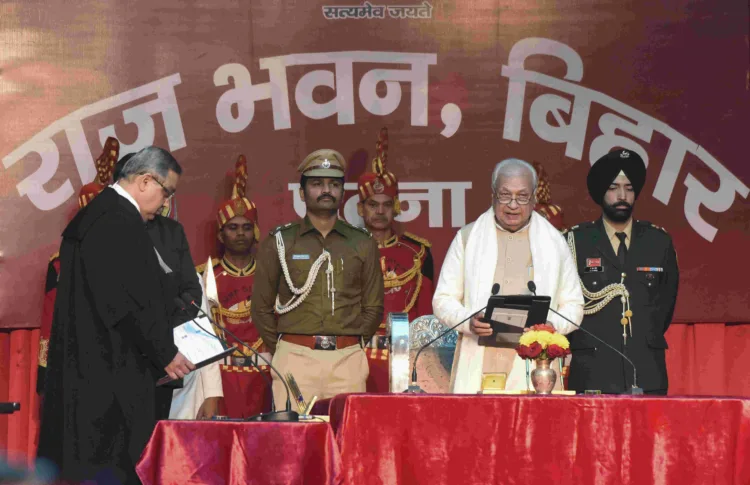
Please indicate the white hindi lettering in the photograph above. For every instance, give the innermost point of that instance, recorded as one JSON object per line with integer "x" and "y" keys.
{"x": 632, "y": 122}
{"x": 369, "y": 11}
{"x": 341, "y": 80}
{"x": 413, "y": 194}
{"x": 141, "y": 115}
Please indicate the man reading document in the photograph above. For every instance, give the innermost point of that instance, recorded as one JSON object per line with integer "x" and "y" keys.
{"x": 111, "y": 336}
{"x": 508, "y": 245}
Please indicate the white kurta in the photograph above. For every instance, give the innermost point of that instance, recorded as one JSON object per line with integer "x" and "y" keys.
{"x": 465, "y": 285}
{"x": 197, "y": 387}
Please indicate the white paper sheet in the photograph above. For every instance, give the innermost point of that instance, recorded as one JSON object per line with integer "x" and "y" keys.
{"x": 195, "y": 343}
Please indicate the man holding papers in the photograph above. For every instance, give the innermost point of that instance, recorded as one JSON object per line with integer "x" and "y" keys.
{"x": 111, "y": 339}
{"x": 509, "y": 245}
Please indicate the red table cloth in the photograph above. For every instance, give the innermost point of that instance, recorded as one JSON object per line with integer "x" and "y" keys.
{"x": 216, "y": 453}
{"x": 454, "y": 439}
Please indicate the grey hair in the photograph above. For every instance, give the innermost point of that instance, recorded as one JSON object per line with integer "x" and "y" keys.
{"x": 151, "y": 160}
{"x": 513, "y": 167}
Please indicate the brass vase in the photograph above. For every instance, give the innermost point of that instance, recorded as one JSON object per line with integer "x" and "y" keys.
{"x": 543, "y": 377}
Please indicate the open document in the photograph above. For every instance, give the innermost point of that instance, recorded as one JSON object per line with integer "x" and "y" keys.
{"x": 197, "y": 341}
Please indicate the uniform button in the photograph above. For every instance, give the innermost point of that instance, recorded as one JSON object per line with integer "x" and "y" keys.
{"x": 594, "y": 283}
{"x": 507, "y": 282}
{"x": 509, "y": 260}
{"x": 510, "y": 238}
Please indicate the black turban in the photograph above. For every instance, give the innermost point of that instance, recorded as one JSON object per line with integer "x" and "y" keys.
{"x": 607, "y": 168}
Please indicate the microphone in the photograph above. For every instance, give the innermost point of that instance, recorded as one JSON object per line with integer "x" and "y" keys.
{"x": 286, "y": 415}
{"x": 634, "y": 390}
{"x": 414, "y": 387}
{"x": 181, "y": 305}
{"x": 9, "y": 407}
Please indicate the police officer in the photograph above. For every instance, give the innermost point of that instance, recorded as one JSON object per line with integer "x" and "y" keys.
{"x": 629, "y": 277}
{"x": 322, "y": 277}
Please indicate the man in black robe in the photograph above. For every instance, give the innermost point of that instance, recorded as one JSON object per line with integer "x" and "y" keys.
{"x": 170, "y": 241}
{"x": 111, "y": 335}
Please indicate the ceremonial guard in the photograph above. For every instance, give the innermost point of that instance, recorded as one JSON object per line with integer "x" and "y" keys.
{"x": 629, "y": 277}
{"x": 543, "y": 195}
{"x": 405, "y": 259}
{"x": 246, "y": 391}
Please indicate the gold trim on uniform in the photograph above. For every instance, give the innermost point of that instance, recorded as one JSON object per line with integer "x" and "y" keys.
{"x": 391, "y": 241}
{"x": 202, "y": 267}
{"x": 43, "y": 350}
{"x": 233, "y": 270}
{"x": 420, "y": 240}
{"x": 238, "y": 368}
{"x": 390, "y": 281}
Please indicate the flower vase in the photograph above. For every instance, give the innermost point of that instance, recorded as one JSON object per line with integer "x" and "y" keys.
{"x": 543, "y": 377}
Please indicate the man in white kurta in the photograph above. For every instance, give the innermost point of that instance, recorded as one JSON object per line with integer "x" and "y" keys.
{"x": 509, "y": 245}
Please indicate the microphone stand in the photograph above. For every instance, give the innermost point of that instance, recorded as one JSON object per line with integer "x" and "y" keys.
{"x": 634, "y": 389}
{"x": 280, "y": 416}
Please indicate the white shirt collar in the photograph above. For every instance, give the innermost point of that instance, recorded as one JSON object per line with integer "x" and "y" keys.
{"x": 118, "y": 188}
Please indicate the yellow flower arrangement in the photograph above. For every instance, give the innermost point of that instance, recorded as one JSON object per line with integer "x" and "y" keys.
{"x": 542, "y": 342}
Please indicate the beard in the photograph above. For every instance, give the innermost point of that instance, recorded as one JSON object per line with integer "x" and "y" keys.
{"x": 618, "y": 212}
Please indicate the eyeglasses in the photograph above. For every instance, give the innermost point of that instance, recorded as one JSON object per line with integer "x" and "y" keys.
{"x": 168, "y": 193}
{"x": 522, "y": 199}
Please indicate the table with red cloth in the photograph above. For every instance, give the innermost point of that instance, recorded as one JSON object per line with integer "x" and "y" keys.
{"x": 215, "y": 453}
{"x": 455, "y": 439}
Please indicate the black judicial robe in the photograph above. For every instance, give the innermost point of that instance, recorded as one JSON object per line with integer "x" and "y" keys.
{"x": 110, "y": 342}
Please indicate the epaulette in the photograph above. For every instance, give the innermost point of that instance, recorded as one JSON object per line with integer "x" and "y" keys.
{"x": 202, "y": 267}
{"x": 583, "y": 225}
{"x": 282, "y": 227}
{"x": 649, "y": 224}
{"x": 360, "y": 229}
{"x": 54, "y": 256}
{"x": 424, "y": 242}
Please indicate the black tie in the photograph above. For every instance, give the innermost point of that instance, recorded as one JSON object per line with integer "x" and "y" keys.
{"x": 622, "y": 251}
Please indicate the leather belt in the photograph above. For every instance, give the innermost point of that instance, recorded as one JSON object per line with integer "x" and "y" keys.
{"x": 323, "y": 342}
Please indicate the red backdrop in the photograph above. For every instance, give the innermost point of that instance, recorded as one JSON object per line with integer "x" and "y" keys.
{"x": 461, "y": 86}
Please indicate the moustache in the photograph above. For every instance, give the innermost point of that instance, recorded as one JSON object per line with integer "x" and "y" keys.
{"x": 326, "y": 196}
{"x": 622, "y": 206}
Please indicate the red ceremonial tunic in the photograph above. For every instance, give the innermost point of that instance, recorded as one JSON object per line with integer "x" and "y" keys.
{"x": 246, "y": 391}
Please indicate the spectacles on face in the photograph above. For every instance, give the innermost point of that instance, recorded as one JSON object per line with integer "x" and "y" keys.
{"x": 168, "y": 194}
{"x": 522, "y": 199}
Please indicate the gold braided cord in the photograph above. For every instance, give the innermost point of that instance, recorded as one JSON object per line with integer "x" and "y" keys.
{"x": 405, "y": 277}
{"x": 235, "y": 316}
{"x": 599, "y": 299}
{"x": 414, "y": 296}
{"x": 408, "y": 275}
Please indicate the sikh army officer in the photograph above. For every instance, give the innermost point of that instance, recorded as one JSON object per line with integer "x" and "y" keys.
{"x": 629, "y": 277}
